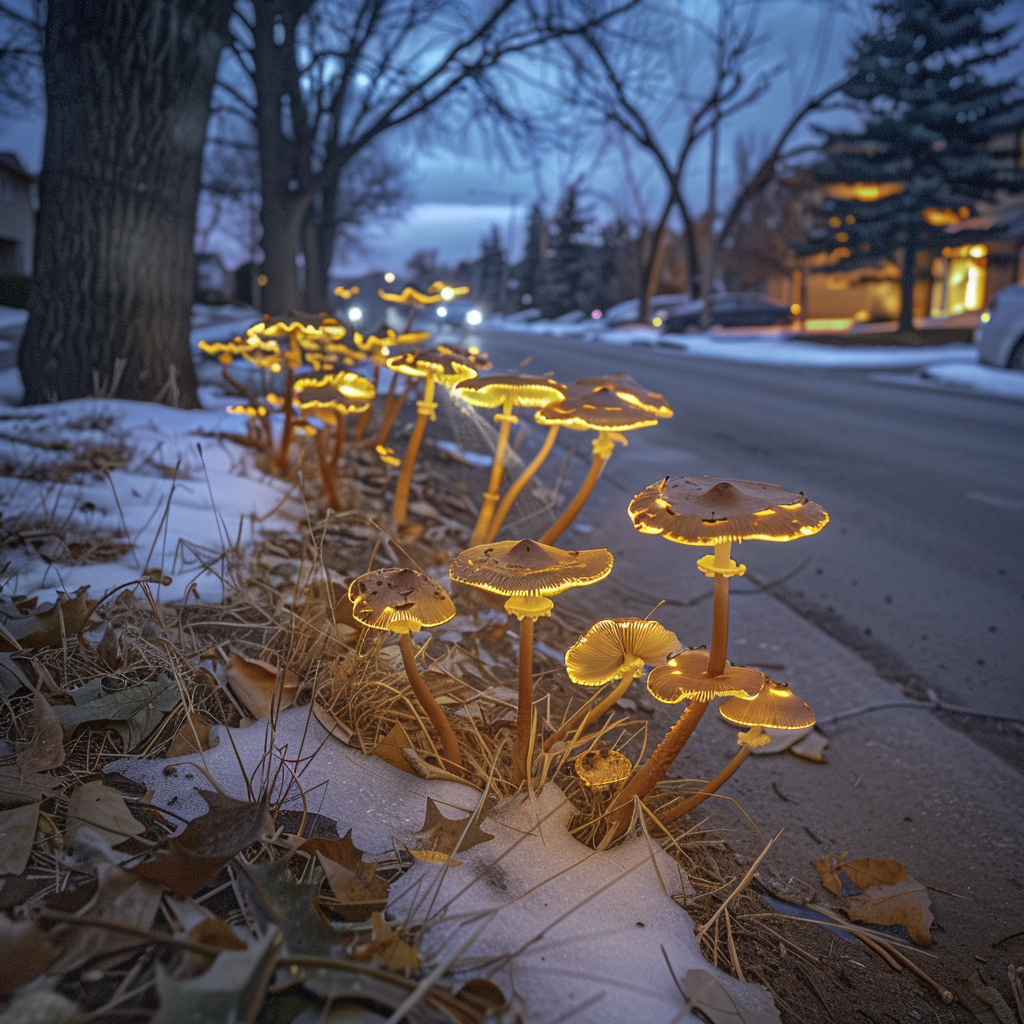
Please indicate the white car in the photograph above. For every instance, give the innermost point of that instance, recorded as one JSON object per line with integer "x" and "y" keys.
{"x": 1000, "y": 335}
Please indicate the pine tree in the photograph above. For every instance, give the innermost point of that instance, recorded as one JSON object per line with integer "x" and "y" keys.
{"x": 530, "y": 270}
{"x": 492, "y": 271}
{"x": 940, "y": 133}
{"x": 566, "y": 271}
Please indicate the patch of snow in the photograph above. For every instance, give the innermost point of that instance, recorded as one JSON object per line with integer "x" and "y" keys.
{"x": 989, "y": 380}
{"x": 577, "y": 936}
{"x": 470, "y": 458}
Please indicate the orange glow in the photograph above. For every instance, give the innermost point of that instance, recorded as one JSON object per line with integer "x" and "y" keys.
{"x": 834, "y": 222}
{"x": 262, "y": 280}
{"x": 842, "y": 236}
{"x": 795, "y": 309}
{"x": 865, "y": 191}
{"x": 938, "y": 217}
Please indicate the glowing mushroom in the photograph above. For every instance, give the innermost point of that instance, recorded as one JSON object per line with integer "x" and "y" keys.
{"x": 602, "y": 767}
{"x": 608, "y": 409}
{"x": 528, "y": 574}
{"x": 433, "y": 365}
{"x": 404, "y": 601}
{"x": 331, "y": 399}
{"x": 377, "y": 347}
{"x": 774, "y": 707}
{"x": 613, "y": 649}
{"x": 507, "y": 390}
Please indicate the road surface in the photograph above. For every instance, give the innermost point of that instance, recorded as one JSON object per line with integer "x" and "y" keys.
{"x": 921, "y": 568}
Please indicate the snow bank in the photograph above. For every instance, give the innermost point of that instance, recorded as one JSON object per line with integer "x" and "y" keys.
{"x": 576, "y": 936}
{"x": 990, "y": 380}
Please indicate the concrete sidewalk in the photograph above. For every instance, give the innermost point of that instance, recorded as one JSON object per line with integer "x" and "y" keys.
{"x": 896, "y": 783}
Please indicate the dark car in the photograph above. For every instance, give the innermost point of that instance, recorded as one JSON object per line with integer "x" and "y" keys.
{"x": 730, "y": 309}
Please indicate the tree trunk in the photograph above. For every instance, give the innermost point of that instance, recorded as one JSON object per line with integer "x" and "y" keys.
{"x": 908, "y": 273}
{"x": 651, "y": 270}
{"x": 128, "y": 86}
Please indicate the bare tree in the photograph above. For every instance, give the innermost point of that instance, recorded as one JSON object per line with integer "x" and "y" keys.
{"x": 21, "y": 51}
{"x": 325, "y": 79}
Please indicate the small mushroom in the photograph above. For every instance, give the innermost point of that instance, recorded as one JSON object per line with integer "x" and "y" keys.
{"x": 438, "y": 364}
{"x": 507, "y": 390}
{"x": 602, "y": 767}
{"x": 609, "y": 409}
{"x": 612, "y": 649}
{"x": 528, "y": 574}
{"x": 774, "y": 707}
{"x": 403, "y": 601}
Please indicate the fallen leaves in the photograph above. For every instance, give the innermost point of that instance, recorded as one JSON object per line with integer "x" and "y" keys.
{"x": 17, "y": 834}
{"x": 888, "y": 894}
{"x": 49, "y": 626}
{"x": 388, "y": 947}
{"x": 357, "y": 890}
{"x": 45, "y": 749}
{"x": 25, "y": 951}
{"x": 441, "y": 838}
{"x": 261, "y": 686}
{"x": 707, "y": 994}
{"x": 102, "y": 809}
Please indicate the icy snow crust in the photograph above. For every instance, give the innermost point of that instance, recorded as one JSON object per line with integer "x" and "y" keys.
{"x": 576, "y": 936}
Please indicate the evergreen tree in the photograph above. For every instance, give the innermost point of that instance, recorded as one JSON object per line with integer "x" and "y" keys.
{"x": 530, "y": 270}
{"x": 566, "y": 283}
{"x": 940, "y": 133}
{"x": 492, "y": 271}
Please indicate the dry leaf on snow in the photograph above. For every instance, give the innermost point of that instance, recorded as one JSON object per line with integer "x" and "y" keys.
{"x": 46, "y": 747}
{"x": 192, "y": 738}
{"x": 387, "y": 947}
{"x": 352, "y": 880}
{"x": 444, "y": 836}
{"x": 103, "y": 809}
{"x": 390, "y": 748}
{"x": 17, "y": 834}
{"x": 43, "y": 627}
{"x": 256, "y": 684}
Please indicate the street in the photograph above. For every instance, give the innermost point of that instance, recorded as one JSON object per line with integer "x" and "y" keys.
{"x": 921, "y": 569}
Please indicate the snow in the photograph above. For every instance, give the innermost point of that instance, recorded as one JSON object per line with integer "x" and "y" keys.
{"x": 576, "y": 935}
{"x": 180, "y": 501}
{"x": 953, "y": 366}
{"x": 12, "y": 320}
{"x": 469, "y": 458}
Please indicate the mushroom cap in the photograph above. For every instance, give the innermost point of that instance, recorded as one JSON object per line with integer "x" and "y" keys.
{"x": 774, "y": 707}
{"x": 708, "y": 510}
{"x": 303, "y": 325}
{"x": 602, "y": 409}
{"x": 684, "y": 678}
{"x": 527, "y": 568}
{"x": 399, "y": 600}
{"x": 473, "y": 355}
{"x": 613, "y": 646}
{"x": 385, "y": 337}
{"x": 602, "y": 766}
{"x": 409, "y": 295}
{"x": 524, "y": 389}
{"x": 347, "y": 389}
{"x": 629, "y": 390}
{"x": 441, "y": 363}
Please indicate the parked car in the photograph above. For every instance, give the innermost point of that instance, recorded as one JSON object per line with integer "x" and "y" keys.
{"x": 1000, "y": 335}
{"x": 628, "y": 312}
{"x": 728, "y": 309}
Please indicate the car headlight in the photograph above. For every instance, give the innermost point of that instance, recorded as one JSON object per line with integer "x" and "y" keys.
{"x": 474, "y": 317}
{"x": 355, "y": 314}
{"x": 442, "y": 311}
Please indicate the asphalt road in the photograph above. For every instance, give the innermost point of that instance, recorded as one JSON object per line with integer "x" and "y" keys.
{"x": 921, "y": 568}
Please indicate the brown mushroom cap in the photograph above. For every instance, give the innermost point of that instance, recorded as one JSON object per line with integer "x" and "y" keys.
{"x": 345, "y": 391}
{"x": 684, "y": 677}
{"x": 441, "y": 362}
{"x": 524, "y": 389}
{"x": 602, "y": 767}
{"x": 584, "y": 408}
{"x": 707, "y": 510}
{"x": 399, "y": 600}
{"x": 629, "y": 390}
{"x": 528, "y": 568}
{"x": 774, "y": 707}
{"x": 613, "y": 646}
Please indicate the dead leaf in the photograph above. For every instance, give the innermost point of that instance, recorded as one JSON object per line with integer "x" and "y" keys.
{"x": 865, "y": 872}
{"x": 215, "y": 931}
{"x": 17, "y": 834}
{"x": 46, "y": 747}
{"x": 707, "y": 994}
{"x": 25, "y": 951}
{"x": 256, "y": 684}
{"x": 359, "y": 894}
{"x": 986, "y": 1002}
{"x": 12, "y": 678}
{"x": 326, "y": 718}
{"x": 904, "y": 903}
{"x": 192, "y": 738}
{"x": 390, "y": 748}
{"x": 16, "y": 790}
{"x": 107, "y": 649}
{"x": 103, "y": 809}
{"x": 43, "y": 627}
{"x": 811, "y": 748}
{"x": 387, "y": 947}
{"x": 193, "y": 859}
{"x": 445, "y": 835}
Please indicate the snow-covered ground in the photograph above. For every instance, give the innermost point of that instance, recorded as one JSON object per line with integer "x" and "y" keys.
{"x": 952, "y": 366}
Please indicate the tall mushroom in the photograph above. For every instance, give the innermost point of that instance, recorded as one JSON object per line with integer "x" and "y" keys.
{"x": 774, "y": 707}
{"x": 437, "y": 364}
{"x": 377, "y": 347}
{"x": 612, "y": 649}
{"x": 507, "y": 390}
{"x": 403, "y": 601}
{"x": 610, "y": 408}
{"x": 528, "y": 574}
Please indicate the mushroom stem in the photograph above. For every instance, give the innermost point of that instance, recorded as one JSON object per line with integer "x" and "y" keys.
{"x": 712, "y": 787}
{"x": 400, "y": 509}
{"x": 281, "y": 461}
{"x": 326, "y": 471}
{"x": 559, "y": 526}
{"x": 392, "y": 407}
{"x": 657, "y": 764}
{"x": 449, "y": 744}
{"x": 573, "y": 724}
{"x": 524, "y": 478}
{"x": 340, "y": 435}
{"x": 720, "y": 619}
{"x": 493, "y": 492}
{"x": 524, "y": 710}
{"x": 364, "y": 420}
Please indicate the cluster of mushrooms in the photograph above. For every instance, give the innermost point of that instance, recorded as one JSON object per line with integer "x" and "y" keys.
{"x": 700, "y": 511}
{"x": 315, "y": 356}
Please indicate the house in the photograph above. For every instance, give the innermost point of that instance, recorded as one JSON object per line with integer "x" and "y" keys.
{"x": 17, "y": 217}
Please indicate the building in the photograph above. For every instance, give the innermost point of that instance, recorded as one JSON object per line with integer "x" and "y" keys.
{"x": 18, "y": 201}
